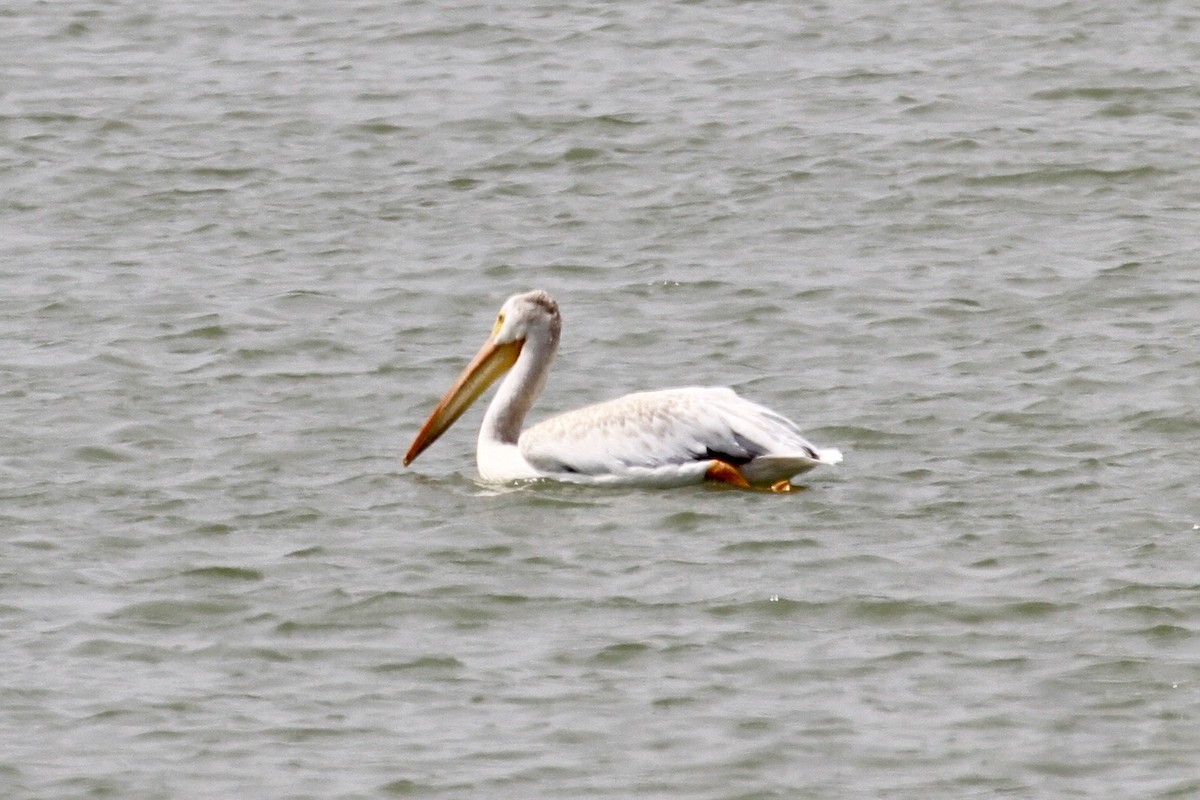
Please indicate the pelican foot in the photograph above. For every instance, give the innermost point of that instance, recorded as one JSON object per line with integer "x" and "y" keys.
{"x": 724, "y": 472}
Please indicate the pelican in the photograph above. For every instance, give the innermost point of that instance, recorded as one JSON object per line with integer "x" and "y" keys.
{"x": 671, "y": 437}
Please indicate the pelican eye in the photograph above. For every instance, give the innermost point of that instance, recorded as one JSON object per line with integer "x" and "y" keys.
{"x": 499, "y": 324}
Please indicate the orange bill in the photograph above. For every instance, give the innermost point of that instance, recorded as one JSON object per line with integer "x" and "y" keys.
{"x": 492, "y": 361}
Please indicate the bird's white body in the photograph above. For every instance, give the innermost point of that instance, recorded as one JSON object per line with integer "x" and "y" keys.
{"x": 661, "y": 438}
{"x": 670, "y": 437}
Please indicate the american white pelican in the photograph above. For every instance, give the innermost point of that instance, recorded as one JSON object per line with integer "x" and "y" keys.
{"x": 671, "y": 437}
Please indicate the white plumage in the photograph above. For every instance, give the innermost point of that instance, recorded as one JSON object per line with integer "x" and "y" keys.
{"x": 670, "y": 437}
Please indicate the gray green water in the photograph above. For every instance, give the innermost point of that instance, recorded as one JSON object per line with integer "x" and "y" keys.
{"x": 244, "y": 246}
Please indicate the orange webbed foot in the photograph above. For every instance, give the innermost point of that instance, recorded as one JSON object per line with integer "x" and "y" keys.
{"x": 724, "y": 472}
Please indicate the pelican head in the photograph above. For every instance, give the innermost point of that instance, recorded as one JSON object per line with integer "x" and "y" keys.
{"x": 525, "y": 319}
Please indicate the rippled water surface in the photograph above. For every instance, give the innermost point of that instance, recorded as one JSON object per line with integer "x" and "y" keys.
{"x": 245, "y": 246}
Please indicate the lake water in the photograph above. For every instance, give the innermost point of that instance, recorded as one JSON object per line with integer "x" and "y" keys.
{"x": 245, "y": 246}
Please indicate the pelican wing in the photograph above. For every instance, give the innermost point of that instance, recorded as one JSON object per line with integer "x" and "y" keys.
{"x": 673, "y": 428}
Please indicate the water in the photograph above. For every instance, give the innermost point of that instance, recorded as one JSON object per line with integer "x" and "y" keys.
{"x": 246, "y": 246}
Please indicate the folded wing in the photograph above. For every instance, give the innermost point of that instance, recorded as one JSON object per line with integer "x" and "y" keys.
{"x": 672, "y": 428}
